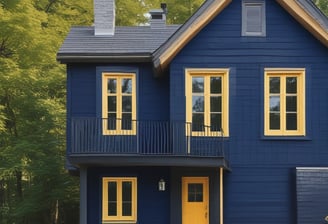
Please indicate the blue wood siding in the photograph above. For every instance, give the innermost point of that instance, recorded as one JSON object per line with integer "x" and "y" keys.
{"x": 312, "y": 195}
{"x": 261, "y": 187}
{"x": 153, "y": 205}
{"x": 152, "y": 94}
{"x": 83, "y": 93}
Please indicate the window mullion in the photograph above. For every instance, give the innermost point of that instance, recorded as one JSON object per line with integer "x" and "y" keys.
{"x": 119, "y": 199}
{"x": 300, "y": 103}
{"x": 134, "y": 95}
{"x": 207, "y": 99}
{"x": 283, "y": 104}
{"x": 119, "y": 104}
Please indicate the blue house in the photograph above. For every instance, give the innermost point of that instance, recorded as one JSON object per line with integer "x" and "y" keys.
{"x": 222, "y": 119}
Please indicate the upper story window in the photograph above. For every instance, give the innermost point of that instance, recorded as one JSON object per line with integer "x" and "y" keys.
{"x": 253, "y": 18}
{"x": 119, "y": 103}
{"x": 119, "y": 200}
{"x": 207, "y": 106}
{"x": 284, "y": 113}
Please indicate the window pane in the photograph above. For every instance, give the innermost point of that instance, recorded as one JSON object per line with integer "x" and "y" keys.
{"x": 111, "y": 86}
{"x": 195, "y": 192}
{"x": 274, "y": 121}
{"x": 291, "y": 85}
{"x": 216, "y": 105}
{"x": 112, "y": 198}
{"x": 127, "y": 103}
{"x": 253, "y": 16}
{"x": 274, "y": 103}
{"x": 197, "y": 122}
{"x": 216, "y": 122}
{"x": 198, "y": 104}
{"x": 216, "y": 85}
{"x": 127, "y": 121}
{"x": 197, "y": 84}
{"x": 127, "y": 208}
{"x": 291, "y": 103}
{"x": 291, "y": 121}
{"x": 127, "y": 198}
{"x": 275, "y": 85}
{"x": 111, "y": 103}
{"x": 111, "y": 121}
{"x": 126, "y": 85}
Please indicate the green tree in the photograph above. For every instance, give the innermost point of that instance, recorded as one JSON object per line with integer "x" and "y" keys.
{"x": 178, "y": 10}
{"x": 34, "y": 186}
{"x": 323, "y": 5}
{"x": 132, "y": 12}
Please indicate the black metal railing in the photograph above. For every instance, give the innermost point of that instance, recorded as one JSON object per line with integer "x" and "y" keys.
{"x": 117, "y": 137}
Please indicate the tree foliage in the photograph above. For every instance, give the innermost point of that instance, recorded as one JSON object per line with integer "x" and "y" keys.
{"x": 179, "y": 11}
{"x": 323, "y": 5}
{"x": 34, "y": 186}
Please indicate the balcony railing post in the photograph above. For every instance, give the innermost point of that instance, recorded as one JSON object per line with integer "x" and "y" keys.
{"x": 189, "y": 137}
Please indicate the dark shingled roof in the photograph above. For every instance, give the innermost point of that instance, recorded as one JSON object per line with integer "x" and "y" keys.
{"x": 315, "y": 12}
{"x": 141, "y": 41}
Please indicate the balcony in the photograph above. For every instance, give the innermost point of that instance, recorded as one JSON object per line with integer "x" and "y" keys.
{"x": 96, "y": 141}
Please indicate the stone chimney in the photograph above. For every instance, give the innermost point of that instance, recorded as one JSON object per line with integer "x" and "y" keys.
{"x": 158, "y": 17}
{"x": 104, "y": 23}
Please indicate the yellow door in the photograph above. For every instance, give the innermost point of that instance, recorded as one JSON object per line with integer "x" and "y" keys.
{"x": 195, "y": 202}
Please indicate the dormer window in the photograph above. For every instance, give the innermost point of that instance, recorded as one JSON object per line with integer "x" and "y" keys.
{"x": 253, "y": 18}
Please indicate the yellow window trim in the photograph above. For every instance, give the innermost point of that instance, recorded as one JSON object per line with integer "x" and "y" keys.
{"x": 283, "y": 73}
{"x": 119, "y": 218}
{"x": 118, "y": 131}
{"x": 224, "y": 73}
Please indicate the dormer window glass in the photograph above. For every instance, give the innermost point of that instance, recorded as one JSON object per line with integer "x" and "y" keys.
{"x": 253, "y": 18}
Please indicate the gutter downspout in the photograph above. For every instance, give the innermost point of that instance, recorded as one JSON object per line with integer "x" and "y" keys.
{"x": 221, "y": 195}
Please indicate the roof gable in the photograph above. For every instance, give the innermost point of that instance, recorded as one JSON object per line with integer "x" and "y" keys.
{"x": 205, "y": 14}
{"x": 307, "y": 14}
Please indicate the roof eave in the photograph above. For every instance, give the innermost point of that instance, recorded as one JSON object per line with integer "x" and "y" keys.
{"x": 164, "y": 54}
{"x": 103, "y": 58}
{"x": 304, "y": 17}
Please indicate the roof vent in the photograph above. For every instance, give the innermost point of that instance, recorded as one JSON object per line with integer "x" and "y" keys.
{"x": 104, "y": 11}
{"x": 158, "y": 17}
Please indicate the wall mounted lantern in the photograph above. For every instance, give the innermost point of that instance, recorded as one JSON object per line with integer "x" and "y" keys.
{"x": 161, "y": 185}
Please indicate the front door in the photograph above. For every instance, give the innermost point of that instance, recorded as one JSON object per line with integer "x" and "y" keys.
{"x": 195, "y": 202}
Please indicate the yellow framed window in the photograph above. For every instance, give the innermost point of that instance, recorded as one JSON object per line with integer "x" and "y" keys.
{"x": 207, "y": 104}
{"x": 119, "y": 200}
{"x": 284, "y": 113}
{"x": 119, "y": 103}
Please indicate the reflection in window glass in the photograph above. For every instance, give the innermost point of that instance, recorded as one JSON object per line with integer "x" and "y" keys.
{"x": 198, "y": 104}
{"x": 198, "y": 85}
{"x": 275, "y": 85}
{"x": 111, "y": 86}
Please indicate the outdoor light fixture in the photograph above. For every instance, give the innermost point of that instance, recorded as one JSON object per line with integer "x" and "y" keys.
{"x": 161, "y": 185}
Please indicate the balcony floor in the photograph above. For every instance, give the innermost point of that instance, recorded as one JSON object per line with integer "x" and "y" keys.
{"x": 146, "y": 160}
